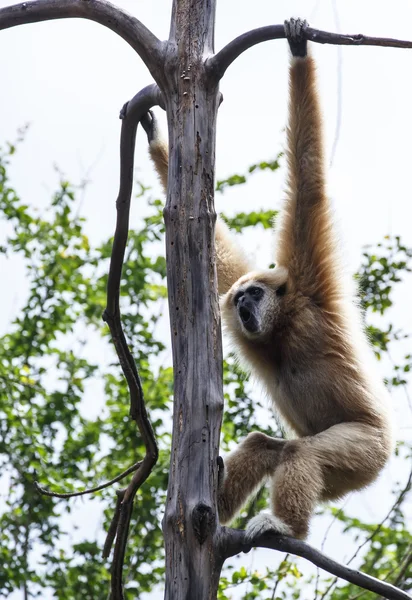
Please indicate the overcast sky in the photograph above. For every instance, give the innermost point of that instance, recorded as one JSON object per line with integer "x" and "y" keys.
{"x": 69, "y": 79}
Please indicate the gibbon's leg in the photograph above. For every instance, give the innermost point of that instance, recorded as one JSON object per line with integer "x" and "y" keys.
{"x": 230, "y": 260}
{"x": 306, "y": 245}
{"x": 244, "y": 471}
{"x": 343, "y": 458}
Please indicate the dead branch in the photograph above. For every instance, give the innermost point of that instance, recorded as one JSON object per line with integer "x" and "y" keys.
{"x": 224, "y": 58}
{"x": 233, "y": 542}
{"x": 147, "y": 46}
{"x": 131, "y": 114}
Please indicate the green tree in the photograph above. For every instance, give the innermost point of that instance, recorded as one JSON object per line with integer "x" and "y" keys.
{"x": 48, "y": 367}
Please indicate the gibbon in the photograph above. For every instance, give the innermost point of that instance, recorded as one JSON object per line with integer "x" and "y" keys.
{"x": 298, "y": 329}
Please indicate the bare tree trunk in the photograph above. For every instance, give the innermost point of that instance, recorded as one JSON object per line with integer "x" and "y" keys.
{"x": 192, "y": 566}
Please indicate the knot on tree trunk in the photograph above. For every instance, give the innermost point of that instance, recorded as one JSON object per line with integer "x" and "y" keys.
{"x": 204, "y": 521}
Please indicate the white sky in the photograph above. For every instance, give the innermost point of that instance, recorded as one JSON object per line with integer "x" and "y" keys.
{"x": 69, "y": 79}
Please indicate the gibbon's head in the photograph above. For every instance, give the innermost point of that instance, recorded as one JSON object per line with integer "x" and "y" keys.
{"x": 253, "y": 305}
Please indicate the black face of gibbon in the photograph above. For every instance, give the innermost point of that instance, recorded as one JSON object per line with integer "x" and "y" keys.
{"x": 247, "y": 303}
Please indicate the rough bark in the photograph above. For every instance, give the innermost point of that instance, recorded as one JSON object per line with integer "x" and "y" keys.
{"x": 192, "y": 568}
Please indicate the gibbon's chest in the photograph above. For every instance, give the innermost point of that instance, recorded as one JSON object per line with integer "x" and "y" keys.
{"x": 303, "y": 401}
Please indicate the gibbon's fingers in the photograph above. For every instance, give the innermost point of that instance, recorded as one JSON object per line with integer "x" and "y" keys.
{"x": 147, "y": 124}
{"x": 295, "y": 34}
{"x": 158, "y": 148}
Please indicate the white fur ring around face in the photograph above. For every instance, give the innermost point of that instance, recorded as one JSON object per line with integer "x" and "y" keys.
{"x": 266, "y": 522}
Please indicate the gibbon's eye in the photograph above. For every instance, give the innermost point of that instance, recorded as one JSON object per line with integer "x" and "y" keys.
{"x": 237, "y": 297}
{"x": 256, "y": 292}
{"x": 281, "y": 291}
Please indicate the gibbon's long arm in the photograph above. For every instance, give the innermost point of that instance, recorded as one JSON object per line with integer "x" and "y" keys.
{"x": 306, "y": 244}
{"x": 231, "y": 262}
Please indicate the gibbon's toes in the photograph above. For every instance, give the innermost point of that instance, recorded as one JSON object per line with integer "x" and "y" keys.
{"x": 149, "y": 125}
{"x": 263, "y": 523}
{"x": 295, "y": 34}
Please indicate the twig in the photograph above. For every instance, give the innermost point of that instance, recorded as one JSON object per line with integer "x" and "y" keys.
{"x": 141, "y": 39}
{"x": 398, "y": 502}
{"x": 233, "y": 542}
{"x": 275, "y": 587}
{"x": 325, "y": 535}
{"x": 131, "y": 114}
{"x": 46, "y": 492}
{"x": 224, "y": 58}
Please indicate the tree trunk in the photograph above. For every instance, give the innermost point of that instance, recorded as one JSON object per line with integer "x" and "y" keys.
{"x": 190, "y": 522}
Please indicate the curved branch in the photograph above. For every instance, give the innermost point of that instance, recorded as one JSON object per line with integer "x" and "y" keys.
{"x": 232, "y": 541}
{"x": 131, "y": 114}
{"x": 218, "y": 63}
{"x": 46, "y": 492}
{"x": 141, "y": 39}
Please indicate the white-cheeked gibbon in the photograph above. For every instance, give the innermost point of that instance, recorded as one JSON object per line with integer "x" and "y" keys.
{"x": 298, "y": 329}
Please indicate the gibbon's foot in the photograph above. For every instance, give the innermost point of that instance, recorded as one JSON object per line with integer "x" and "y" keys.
{"x": 263, "y": 523}
{"x": 149, "y": 124}
{"x": 295, "y": 34}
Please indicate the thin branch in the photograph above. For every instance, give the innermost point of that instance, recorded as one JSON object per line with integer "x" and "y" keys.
{"x": 111, "y": 534}
{"x": 275, "y": 587}
{"x": 131, "y": 114}
{"x": 405, "y": 490}
{"x": 46, "y": 492}
{"x": 224, "y": 58}
{"x": 141, "y": 39}
{"x": 325, "y": 535}
{"x": 233, "y": 542}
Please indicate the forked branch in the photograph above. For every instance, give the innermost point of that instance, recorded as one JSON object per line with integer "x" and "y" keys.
{"x": 224, "y": 58}
{"x": 143, "y": 41}
{"x": 233, "y": 542}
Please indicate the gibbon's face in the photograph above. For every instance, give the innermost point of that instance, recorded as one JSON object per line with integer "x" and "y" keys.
{"x": 253, "y": 304}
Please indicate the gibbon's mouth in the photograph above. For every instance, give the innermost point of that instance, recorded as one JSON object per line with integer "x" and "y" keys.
{"x": 248, "y": 319}
{"x": 245, "y": 315}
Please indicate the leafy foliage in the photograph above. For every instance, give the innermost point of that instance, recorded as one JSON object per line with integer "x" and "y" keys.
{"x": 50, "y": 374}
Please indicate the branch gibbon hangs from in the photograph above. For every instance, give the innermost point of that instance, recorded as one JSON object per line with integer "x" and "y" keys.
{"x": 298, "y": 329}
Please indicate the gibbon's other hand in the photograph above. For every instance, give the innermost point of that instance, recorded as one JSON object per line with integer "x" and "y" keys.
{"x": 296, "y": 36}
{"x": 149, "y": 124}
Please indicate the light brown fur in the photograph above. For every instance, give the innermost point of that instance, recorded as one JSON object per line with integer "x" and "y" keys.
{"x": 308, "y": 349}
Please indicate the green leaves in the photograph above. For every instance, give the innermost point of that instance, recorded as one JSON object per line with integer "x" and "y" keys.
{"x": 53, "y": 378}
{"x": 381, "y": 268}
{"x": 241, "y": 179}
